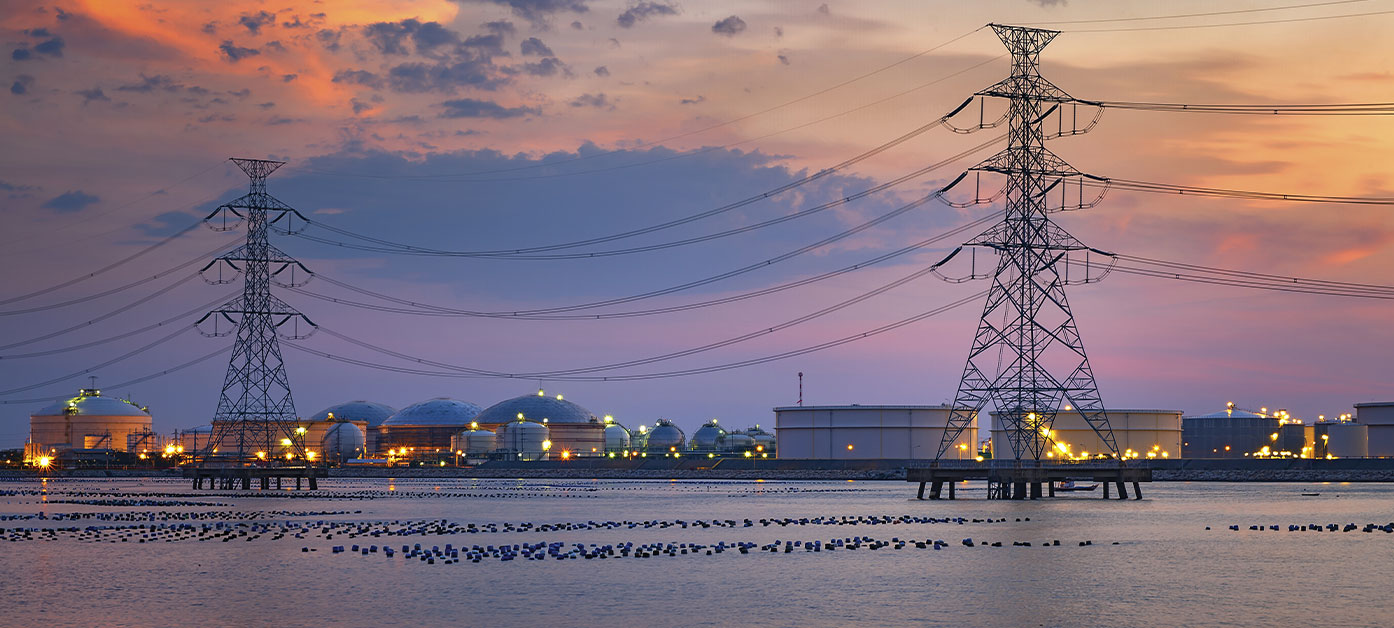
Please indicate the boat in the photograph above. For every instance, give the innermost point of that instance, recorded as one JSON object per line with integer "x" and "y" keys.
{"x": 1069, "y": 485}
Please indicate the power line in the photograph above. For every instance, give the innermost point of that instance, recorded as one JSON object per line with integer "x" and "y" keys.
{"x": 87, "y": 345}
{"x": 1186, "y": 15}
{"x": 1328, "y": 109}
{"x": 1254, "y": 23}
{"x": 423, "y": 309}
{"x": 667, "y": 374}
{"x": 100, "y": 318}
{"x": 695, "y": 131}
{"x": 665, "y": 245}
{"x": 131, "y": 382}
{"x": 1170, "y": 188}
{"x": 111, "y": 291}
{"x": 110, "y": 362}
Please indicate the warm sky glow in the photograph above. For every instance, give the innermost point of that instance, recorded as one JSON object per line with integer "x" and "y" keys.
{"x": 120, "y": 116}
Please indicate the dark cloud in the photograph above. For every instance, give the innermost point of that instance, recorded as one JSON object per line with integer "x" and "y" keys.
{"x": 823, "y": 8}
{"x": 52, "y": 47}
{"x": 472, "y": 108}
{"x": 295, "y": 21}
{"x": 426, "y": 37}
{"x": 359, "y": 77}
{"x": 1046, "y": 4}
{"x": 21, "y": 54}
{"x": 234, "y": 53}
{"x": 693, "y": 101}
{"x": 537, "y": 12}
{"x": 211, "y": 27}
{"x": 534, "y": 47}
{"x": 275, "y": 45}
{"x": 431, "y": 35}
{"x": 70, "y": 201}
{"x": 599, "y": 101}
{"x": 546, "y": 67}
{"x": 501, "y": 27}
{"x": 443, "y": 77}
{"x": 279, "y": 120}
{"x": 487, "y": 45}
{"x": 240, "y": 93}
{"x": 602, "y": 71}
{"x": 17, "y": 191}
{"x": 254, "y": 21}
{"x": 218, "y": 117}
{"x": 359, "y": 106}
{"x": 641, "y": 11}
{"x": 729, "y": 26}
{"x": 286, "y": 78}
{"x": 22, "y": 84}
{"x": 577, "y": 25}
{"x": 38, "y": 33}
{"x": 89, "y": 95}
{"x": 329, "y": 38}
{"x": 784, "y": 59}
{"x": 778, "y": 31}
{"x": 266, "y": 105}
{"x": 149, "y": 84}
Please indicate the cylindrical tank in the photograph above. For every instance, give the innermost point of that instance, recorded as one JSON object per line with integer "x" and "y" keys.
{"x": 762, "y": 438}
{"x": 737, "y": 442}
{"x": 616, "y": 438}
{"x": 664, "y": 437}
{"x": 343, "y": 441}
{"x": 1347, "y": 440}
{"x": 709, "y": 437}
{"x": 88, "y": 421}
{"x": 523, "y": 440}
{"x": 474, "y": 442}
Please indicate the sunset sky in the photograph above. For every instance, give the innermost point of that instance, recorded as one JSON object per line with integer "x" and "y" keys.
{"x": 500, "y": 124}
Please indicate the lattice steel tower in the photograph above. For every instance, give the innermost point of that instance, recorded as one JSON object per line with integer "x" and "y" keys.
{"x": 1027, "y": 357}
{"x": 256, "y": 419}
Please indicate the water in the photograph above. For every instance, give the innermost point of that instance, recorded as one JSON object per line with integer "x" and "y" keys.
{"x": 1151, "y": 562}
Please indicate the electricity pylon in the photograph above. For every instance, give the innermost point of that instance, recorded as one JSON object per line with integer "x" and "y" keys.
{"x": 256, "y": 415}
{"x": 1032, "y": 363}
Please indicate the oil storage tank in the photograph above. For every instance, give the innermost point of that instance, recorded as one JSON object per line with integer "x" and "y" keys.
{"x": 709, "y": 438}
{"x": 523, "y": 440}
{"x": 617, "y": 438}
{"x": 574, "y": 430}
{"x": 664, "y": 437}
{"x": 369, "y": 412}
{"x": 425, "y": 427}
{"x": 343, "y": 441}
{"x": 1342, "y": 439}
{"x": 865, "y": 432}
{"x": 88, "y": 421}
{"x": 1138, "y": 433}
{"x": 1378, "y": 417}
{"x": 475, "y": 442}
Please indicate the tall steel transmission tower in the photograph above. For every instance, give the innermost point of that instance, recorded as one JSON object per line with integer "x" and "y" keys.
{"x": 1027, "y": 357}
{"x": 256, "y": 421}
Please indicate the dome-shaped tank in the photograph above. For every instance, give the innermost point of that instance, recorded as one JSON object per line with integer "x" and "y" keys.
{"x": 434, "y": 412}
{"x": 739, "y": 441}
{"x": 374, "y": 414}
{"x": 523, "y": 440}
{"x": 617, "y": 438}
{"x": 762, "y": 438}
{"x": 664, "y": 437}
{"x": 343, "y": 441}
{"x": 474, "y": 442}
{"x": 88, "y": 421}
{"x": 709, "y": 437}
{"x": 539, "y": 407}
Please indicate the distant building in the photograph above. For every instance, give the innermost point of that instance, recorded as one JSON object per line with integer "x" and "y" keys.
{"x": 1379, "y": 419}
{"x": 88, "y": 421}
{"x": 868, "y": 432}
{"x": 1238, "y": 433}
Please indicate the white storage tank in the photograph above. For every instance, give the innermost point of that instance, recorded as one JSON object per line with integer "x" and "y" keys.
{"x": 664, "y": 437}
{"x": 523, "y": 440}
{"x": 867, "y": 433}
{"x": 1346, "y": 440}
{"x": 473, "y": 442}
{"x": 343, "y": 441}
{"x": 1379, "y": 418}
{"x": 617, "y": 438}
{"x": 708, "y": 438}
{"x": 1139, "y": 434}
{"x": 88, "y": 421}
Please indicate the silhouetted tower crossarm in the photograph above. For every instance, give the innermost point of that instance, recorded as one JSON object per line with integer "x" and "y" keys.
{"x": 256, "y": 412}
{"x": 1027, "y": 358}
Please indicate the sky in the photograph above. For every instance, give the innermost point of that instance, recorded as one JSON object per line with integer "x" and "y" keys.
{"x": 503, "y": 124}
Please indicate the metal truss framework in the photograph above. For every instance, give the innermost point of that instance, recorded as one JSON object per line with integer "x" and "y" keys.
{"x": 1036, "y": 340}
{"x": 256, "y": 416}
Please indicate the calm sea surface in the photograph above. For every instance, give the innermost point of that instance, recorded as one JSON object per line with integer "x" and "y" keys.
{"x": 1151, "y": 562}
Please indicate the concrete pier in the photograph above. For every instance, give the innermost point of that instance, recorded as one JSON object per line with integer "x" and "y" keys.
{"x": 240, "y": 478}
{"x": 1023, "y": 479}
